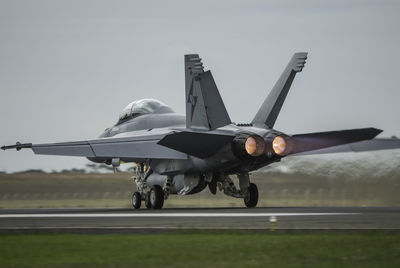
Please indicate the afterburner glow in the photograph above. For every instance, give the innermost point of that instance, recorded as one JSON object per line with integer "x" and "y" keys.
{"x": 279, "y": 145}
{"x": 255, "y": 145}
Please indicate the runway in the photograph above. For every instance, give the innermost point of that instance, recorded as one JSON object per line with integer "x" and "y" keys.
{"x": 108, "y": 220}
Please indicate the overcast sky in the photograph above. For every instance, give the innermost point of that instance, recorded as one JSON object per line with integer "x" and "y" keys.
{"x": 68, "y": 68}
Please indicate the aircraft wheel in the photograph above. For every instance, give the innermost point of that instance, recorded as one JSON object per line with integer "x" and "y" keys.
{"x": 136, "y": 200}
{"x": 147, "y": 201}
{"x": 251, "y": 199}
{"x": 156, "y": 197}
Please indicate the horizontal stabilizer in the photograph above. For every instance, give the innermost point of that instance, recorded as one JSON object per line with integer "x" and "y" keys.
{"x": 315, "y": 141}
{"x": 201, "y": 145}
{"x": 361, "y": 146}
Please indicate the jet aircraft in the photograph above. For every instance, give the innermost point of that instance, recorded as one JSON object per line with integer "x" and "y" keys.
{"x": 183, "y": 154}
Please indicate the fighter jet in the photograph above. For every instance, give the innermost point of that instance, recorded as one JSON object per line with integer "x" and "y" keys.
{"x": 183, "y": 154}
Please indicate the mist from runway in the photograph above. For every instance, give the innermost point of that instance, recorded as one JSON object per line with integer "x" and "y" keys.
{"x": 371, "y": 165}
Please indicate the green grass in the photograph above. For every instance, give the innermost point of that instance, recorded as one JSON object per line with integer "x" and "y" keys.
{"x": 203, "y": 249}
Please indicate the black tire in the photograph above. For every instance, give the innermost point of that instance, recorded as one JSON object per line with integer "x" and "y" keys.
{"x": 251, "y": 199}
{"x": 147, "y": 201}
{"x": 156, "y": 197}
{"x": 136, "y": 200}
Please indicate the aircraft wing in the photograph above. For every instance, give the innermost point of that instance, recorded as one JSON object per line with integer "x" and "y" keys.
{"x": 362, "y": 146}
{"x": 136, "y": 147}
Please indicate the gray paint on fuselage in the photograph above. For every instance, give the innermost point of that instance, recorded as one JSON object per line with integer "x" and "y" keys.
{"x": 146, "y": 121}
{"x": 223, "y": 161}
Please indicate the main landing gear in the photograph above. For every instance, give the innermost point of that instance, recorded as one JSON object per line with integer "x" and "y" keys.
{"x": 136, "y": 200}
{"x": 248, "y": 191}
{"x": 154, "y": 199}
{"x": 154, "y": 196}
{"x": 251, "y": 199}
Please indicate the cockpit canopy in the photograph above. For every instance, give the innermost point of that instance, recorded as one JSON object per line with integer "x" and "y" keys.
{"x": 141, "y": 107}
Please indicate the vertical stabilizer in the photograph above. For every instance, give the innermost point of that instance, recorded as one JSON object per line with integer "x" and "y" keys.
{"x": 204, "y": 105}
{"x": 269, "y": 110}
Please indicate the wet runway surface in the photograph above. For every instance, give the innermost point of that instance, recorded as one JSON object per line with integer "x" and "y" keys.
{"x": 207, "y": 218}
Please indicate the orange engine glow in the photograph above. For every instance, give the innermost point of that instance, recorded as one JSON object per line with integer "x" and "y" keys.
{"x": 279, "y": 145}
{"x": 255, "y": 145}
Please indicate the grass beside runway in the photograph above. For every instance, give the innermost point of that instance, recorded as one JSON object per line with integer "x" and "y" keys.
{"x": 203, "y": 249}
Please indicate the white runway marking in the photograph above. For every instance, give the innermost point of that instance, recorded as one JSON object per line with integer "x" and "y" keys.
{"x": 163, "y": 215}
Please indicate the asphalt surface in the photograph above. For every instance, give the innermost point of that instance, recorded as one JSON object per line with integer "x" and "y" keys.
{"x": 107, "y": 220}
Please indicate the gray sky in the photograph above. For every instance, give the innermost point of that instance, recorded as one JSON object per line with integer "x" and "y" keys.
{"x": 67, "y": 68}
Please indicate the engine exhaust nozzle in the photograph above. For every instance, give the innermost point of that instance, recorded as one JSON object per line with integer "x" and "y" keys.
{"x": 255, "y": 145}
{"x": 282, "y": 145}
